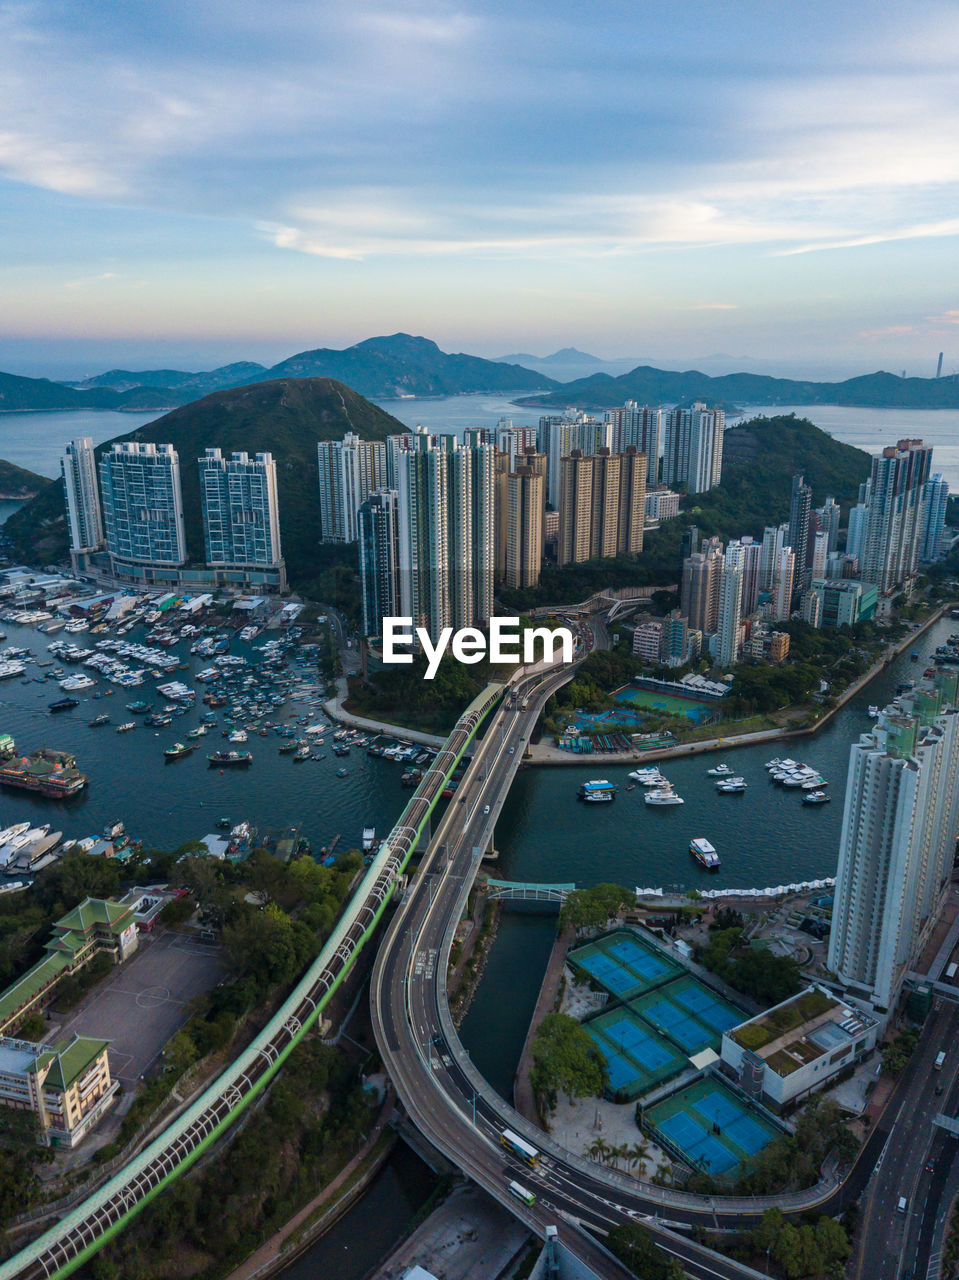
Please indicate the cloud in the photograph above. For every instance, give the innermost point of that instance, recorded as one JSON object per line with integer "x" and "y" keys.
{"x": 949, "y": 227}
{"x": 89, "y": 280}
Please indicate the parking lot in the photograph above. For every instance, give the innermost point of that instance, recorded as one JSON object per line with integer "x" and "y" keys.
{"x": 141, "y": 1004}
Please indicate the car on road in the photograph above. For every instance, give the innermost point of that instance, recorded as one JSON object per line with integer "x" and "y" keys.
{"x": 486, "y": 808}
{"x": 512, "y": 750}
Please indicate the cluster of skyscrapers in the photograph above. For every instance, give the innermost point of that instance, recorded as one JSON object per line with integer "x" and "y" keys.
{"x": 798, "y": 570}
{"x": 440, "y": 521}
{"x": 130, "y": 510}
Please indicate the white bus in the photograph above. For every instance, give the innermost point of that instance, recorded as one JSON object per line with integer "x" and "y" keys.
{"x": 521, "y": 1193}
{"x": 951, "y": 971}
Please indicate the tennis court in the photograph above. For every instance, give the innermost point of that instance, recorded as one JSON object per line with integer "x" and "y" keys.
{"x": 710, "y": 1126}
{"x": 704, "y": 1005}
{"x": 670, "y": 1019}
{"x": 637, "y": 1057}
{"x": 624, "y": 965}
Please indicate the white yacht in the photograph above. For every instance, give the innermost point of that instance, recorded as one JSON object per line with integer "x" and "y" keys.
{"x": 663, "y": 796}
{"x": 650, "y": 777}
{"x": 720, "y": 771}
{"x": 731, "y": 786}
{"x": 873, "y": 712}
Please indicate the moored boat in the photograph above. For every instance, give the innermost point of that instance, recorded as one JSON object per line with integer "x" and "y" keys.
{"x": 234, "y": 758}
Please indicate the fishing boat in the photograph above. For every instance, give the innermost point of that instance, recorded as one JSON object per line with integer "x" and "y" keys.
{"x": 341, "y": 773}
{"x": 177, "y": 750}
{"x": 302, "y": 753}
{"x": 98, "y": 720}
{"x": 198, "y": 732}
{"x": 705, "y": 854}
{"x": 230, "y": 758}
{"x": 64, "y": 704}
{"x": 125, "y": 728}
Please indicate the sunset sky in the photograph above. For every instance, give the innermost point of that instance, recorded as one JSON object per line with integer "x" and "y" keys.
{"x": 200, "y": 183}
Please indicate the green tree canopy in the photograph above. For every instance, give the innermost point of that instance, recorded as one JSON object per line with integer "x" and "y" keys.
{"x": 565, "y": 1060}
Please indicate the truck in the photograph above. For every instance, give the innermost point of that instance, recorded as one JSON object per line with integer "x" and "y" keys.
{"x": 940, "y": 1059}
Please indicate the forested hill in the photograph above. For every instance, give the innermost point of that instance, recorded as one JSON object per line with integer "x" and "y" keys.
{"x": 285, "y": 417}
{"x": 16, "y": 482}
{"x": 661, "y": 386}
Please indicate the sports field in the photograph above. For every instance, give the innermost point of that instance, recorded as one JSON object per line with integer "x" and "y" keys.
{"x": 710, "y": 1126}
{"x": 624, "y": 965}
{"x": 688, "y": 1013}
{"x": 636, "y": 1056}
{"x": 666, "y": 704}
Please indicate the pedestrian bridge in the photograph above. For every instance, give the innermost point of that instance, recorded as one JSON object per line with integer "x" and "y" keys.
{"x": 515, "y": 891}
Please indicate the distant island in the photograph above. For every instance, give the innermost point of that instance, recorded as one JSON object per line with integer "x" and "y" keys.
{"x": 661, "y": 386}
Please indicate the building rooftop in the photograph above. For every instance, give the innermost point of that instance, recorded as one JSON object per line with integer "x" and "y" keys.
{"x": 68, "y": 1060}
{"x": 800, "y": 1030}
{"x": 93, "y": 912}
{"x": 24, "y": 989}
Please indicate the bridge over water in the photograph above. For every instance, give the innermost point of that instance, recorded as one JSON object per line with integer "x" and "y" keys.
{"x": 520, "y": 891}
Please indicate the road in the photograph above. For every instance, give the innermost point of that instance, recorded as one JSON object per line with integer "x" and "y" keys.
{"x": 916, "y": 1163}
{"x": 443, "y": 1094}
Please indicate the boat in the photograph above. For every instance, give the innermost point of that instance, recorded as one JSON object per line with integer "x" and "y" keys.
{"x": 341, "y": 773}
{"x": 914, "y": 655}
{"x": 234, "y": 758}
{"x": 815, "y": 797}
{"x": 98, "y": 720}
{"x": 138, "y": 706}
{"x": 597, "y": 797}
{"x": 51, "y": 773}
{"x": 64, "y": 704}
{"x": 731, "y": 786}
{"x": 647, "y": 776}
{"x": 177, "y": 750}
{"x": 369, "y": 835}
{"x": 705, "y": 854}
{"x": 302, "y": 753}
{"x": 663, "y": 796}
{"x": 720, "y": 771}
{"x": 873, "y": 711}
{"x": 596, "y": 786}
{"x": 224, "y": 823}
{"x": 238, "y": 735}
{"x": 198, "y": 732}
{"x": 125, "y": 728}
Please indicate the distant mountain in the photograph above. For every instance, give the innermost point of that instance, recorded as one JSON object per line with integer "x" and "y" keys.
{"x": 285, "y": 417}
{"x": 230, "y": 375}
{"x": 380, "y": 368}
{"x": 570, "y": 363}
{"x": 660, "y": 386}
{"x": 401, "y": 365}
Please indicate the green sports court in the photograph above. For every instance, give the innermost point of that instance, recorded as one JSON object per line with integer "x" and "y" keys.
{"x": 710, "y": 1126}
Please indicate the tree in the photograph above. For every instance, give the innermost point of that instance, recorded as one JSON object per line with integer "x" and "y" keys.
{"x": 32, "y": 1027}
{"x": 636, "y": 1249}
{"x": 565, "y": 1060}
{"x": 593, "y": 908}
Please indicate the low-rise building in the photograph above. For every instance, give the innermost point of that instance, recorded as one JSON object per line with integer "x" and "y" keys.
{"x": 661, "y": 504}
{"x": 96, "y": 925}
{"x": 648, "y": 639}
{"x": 67, "y": 1086}
{"x": 797, "y": 1047}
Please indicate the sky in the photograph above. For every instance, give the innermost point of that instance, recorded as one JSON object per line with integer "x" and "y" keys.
{"x": 191, "y": 184}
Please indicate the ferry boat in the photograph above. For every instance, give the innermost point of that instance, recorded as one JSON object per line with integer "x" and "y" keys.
{"x": 705, "y": 854}
{"x": 596, "y": 786}
{"x": 177, "y": 750}
{"x": 663, "y": 796}
{"x": 815, "y": 797}
{"x": 720, "y": 771}
{"x": 597, "y": 797}
{"x": 64, "y": 704}
{"x": 234, "y": 758}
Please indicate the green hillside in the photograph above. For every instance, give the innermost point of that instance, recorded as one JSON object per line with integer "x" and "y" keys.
{"x": 286, "y": 418}
{"x": 663, "y": 386}
{"x": 16, "y": 482}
